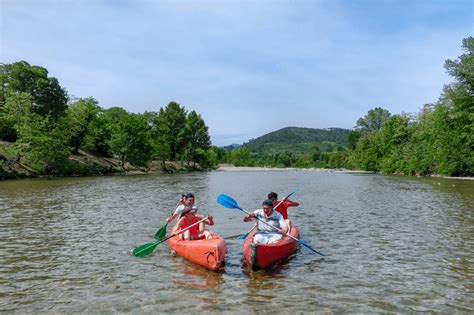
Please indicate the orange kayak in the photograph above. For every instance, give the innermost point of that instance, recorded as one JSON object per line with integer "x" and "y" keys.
{"x": 261, "y": 256}
{"x": 208, "y": 253}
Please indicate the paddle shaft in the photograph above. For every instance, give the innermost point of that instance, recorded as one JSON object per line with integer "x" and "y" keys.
{"x": 152, "y": 245}
{"x": 288, "y": 196}
{"x": 247, "y": 234}
{"x": 186, "y": 228}
{"x": 177, "y": 205}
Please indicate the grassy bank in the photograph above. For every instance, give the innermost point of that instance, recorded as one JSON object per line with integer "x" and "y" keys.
{"x": 13, "y": 165}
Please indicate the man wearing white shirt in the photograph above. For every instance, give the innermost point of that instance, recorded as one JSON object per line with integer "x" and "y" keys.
{"x": 273, "y": 226}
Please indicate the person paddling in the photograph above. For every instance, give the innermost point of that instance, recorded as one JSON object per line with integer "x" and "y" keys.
{"x": 283, "y": 205}
{"x": 267, "y": 232}
{"x": 187, "y": 205}
{"x": 196, "y": 232}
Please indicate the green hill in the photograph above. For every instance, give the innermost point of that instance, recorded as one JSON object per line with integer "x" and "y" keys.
{"x": 299, "y": 140}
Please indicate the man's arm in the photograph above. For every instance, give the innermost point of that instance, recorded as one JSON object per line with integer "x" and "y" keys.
{"x": 292, "y": 203}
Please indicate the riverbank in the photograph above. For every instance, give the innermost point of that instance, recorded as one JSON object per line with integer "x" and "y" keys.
{"x": 13, "y": 166}
{"x": 231, "y": 168}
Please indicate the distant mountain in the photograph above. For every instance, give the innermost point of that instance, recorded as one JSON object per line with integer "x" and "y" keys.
{"x": 298, "y": 139}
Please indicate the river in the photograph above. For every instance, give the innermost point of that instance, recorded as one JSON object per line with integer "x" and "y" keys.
{"x": 394, "y": 245}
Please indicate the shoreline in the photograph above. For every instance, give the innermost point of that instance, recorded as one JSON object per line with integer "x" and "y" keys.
{"x": 231, "y": 168}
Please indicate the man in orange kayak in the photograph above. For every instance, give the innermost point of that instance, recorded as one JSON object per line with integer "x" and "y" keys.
{"x": 283, "y": 205}
{"x": 274, "y": 225}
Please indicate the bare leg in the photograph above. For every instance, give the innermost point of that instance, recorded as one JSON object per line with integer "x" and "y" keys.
{"x": 186, "y": 235}
{"x": 207, "y": 234}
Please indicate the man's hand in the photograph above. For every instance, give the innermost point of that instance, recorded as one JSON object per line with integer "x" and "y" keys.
{"x": 249, "y": 217}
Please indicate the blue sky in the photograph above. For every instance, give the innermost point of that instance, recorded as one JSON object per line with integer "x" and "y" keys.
{"x": 248, "y": 67}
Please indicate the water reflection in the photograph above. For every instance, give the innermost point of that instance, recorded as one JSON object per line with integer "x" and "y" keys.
{"x": 195, "y": 276}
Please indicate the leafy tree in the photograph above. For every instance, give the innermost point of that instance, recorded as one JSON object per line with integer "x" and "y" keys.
{"x": 197, "y": 137}
{"x": 114, "y": 115}
{"x": 286, "y": 158}
{"x": 240, "y": 156}
{"x": 48, "y": 97}
{"x": 352, "y": 139}
{"x": 174, "y": 120}
{"x": 394, "y": 135}
{"x": 44, "y": 144}
{"x": 13, "y": 113}
{"x": 80, "y": 114}
{"x": 131, "y": 140}
{"x": 160, "y": 136}
{"x": 315, "y": 153}
{"x": 221, "y": 154}
{"x": 368, "y": 152}
{"x": 374, "y": 120}
{"x": 338, "y": 159}
{"x": 463, "y": 68}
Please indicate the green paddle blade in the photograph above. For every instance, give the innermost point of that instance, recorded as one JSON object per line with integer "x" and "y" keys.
{"x": 161, "y": 233}
{"x": 145, "y": 249}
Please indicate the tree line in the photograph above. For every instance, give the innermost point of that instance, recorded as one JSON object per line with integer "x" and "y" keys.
{"x": 47, "y": 126}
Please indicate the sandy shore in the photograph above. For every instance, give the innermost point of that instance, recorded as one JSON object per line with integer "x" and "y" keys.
{"x": 231, "y": 168}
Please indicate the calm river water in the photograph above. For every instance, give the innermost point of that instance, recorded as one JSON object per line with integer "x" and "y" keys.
{"x": 393, "y": 245}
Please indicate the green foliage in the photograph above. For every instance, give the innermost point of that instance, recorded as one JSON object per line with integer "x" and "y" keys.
{"x": 174, "y": 120}
{"x": 292, "y": 147}
{"x": 368, "y": 152}
{"x": 102, "y": 124}
{"x": 49, "y": 98}
{"x": 160, "y": 135}
{"x": 80, "y": 114}
{"x": 374, "y": 120}
{"x": 287, "y": 138}
{"x": 241, "y": 156}
{"x": 463, "y": 68}
{"x": 13, "y": 113}
{"x": 338, "y": 159}
{"x": 43, "y": 142}
{"x": 352, "y": 139}
{"x": 131, "y": 140}
{"x": 196, "y": 135}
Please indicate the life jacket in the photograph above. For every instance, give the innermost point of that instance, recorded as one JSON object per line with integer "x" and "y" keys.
{"x": 195, "y": 229}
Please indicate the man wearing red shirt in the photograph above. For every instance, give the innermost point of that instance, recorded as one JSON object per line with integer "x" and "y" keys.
{"x": 283, "y": 205}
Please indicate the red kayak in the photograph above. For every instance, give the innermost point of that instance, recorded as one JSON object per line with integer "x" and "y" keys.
{"x": 261, "y": 256}
{"x": 208, "y": 253}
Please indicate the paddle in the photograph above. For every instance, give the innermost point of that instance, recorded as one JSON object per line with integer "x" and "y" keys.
{"x": 242, "y": 237}
{"x": 287, "y": 196}
{"x": 147, "y": 248}
{"x": 162, "y": 231}
{"x": 230, "y": 203}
